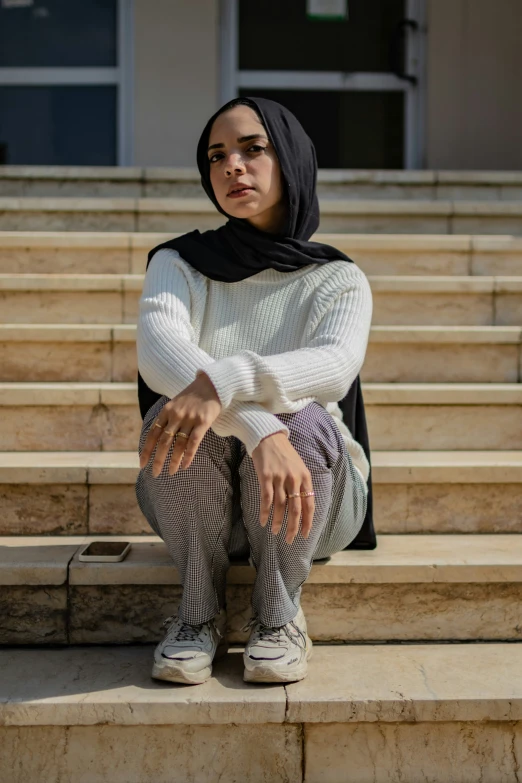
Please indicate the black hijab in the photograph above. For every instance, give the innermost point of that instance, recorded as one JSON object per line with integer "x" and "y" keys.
{"x": 238, "y": 250}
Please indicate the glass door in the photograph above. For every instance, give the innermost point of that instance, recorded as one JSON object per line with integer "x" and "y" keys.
{"x": 356, "y": 83}
{"x": 65, "y": 82}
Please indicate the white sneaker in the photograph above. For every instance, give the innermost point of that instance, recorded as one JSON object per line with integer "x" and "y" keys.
{"x": 187, "y": 651}
{"x": 277, "y": 654}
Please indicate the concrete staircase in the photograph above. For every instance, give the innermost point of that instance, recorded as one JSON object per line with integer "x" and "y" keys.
{"x": 417, "y": 668}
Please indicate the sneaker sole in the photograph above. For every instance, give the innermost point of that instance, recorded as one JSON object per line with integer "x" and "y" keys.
{"x": 266, "y": 673}
{"x": 174, "y": 672}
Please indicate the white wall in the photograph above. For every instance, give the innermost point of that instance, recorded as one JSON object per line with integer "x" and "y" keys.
{"x": 176, "y": 78}
{"x": 474, "y": 84}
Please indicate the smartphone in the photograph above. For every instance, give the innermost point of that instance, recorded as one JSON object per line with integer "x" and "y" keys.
{"x": 104, "y": 551}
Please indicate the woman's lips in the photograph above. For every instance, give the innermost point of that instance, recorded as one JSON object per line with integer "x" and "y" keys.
{"x": 240, "y": 193}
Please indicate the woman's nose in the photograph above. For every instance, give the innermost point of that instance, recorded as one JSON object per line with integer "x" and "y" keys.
{"x": 234, "y": 164}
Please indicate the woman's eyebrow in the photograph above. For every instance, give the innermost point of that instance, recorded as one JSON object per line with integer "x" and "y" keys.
{"x": 240, "y": 140}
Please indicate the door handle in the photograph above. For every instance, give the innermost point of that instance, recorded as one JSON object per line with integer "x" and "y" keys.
{"x": 396, "y": 49}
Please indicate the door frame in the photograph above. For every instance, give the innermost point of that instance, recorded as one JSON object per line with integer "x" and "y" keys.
{"x": 232, "y": 79}
{"x": 121, "y": 76}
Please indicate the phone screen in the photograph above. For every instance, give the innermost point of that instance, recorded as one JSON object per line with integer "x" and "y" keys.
{"x": 105, "y": 548}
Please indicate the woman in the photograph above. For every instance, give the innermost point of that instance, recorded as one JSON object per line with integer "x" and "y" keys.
{"x": 249, "y": 335}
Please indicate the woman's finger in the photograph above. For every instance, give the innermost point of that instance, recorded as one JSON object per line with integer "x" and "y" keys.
{"x": 267, "y": 496}
{"x": 192, "y": 445}
{"x": 308, "y": 511}
{"x": 181, "y": 444}
{"x": 279, "y": 506}
{"x": 153, "y": 435}
{"x": 294, "y": 510}
{"x": 164, "y": 444}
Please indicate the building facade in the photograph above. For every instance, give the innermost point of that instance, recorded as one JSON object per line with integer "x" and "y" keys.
{"x": 378, "y": 84}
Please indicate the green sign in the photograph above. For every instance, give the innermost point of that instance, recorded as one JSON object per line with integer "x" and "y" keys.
{"x": 334, "y": 10}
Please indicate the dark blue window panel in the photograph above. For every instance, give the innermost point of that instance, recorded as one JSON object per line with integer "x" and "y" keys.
{"x": 58, "y": 125}
{"x": 59, "y": 33}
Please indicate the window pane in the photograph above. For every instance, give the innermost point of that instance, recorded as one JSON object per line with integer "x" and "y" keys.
{"x": 59, "y": 33}
{"x": 277, "y": 35}
{"x": 58, "y": 125}
{"x": 359, "y": 130}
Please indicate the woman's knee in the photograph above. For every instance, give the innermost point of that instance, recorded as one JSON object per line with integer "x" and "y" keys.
{"x": 314, "y": 435}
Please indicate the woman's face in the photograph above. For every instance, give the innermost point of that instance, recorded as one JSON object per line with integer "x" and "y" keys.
{"x": 244, "y": 170}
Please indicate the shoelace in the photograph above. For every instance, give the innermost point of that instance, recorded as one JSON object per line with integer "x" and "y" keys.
{"x": 187, "y": 632}
{"x": 273, "y": 633}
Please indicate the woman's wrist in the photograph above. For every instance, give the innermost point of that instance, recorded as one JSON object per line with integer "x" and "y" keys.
{"x": 203, "y": 379}
{"x": 279, "y": 432}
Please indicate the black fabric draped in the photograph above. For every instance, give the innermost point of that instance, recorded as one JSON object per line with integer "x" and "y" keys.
{"x": 238, "y": 250}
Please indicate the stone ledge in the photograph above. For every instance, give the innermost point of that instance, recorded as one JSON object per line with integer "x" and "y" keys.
{"x": 124, "y": 252}
{"x": 68, "y": 204}
{"x": 72, "y": 172}
{"x": 102, "y": 240}
{"x": 451, "y": 467}
{"x": 398, "y": 683}
{"x": 441, "y": 393}
{"x": 440, "y": 284}
{"x": 485, "y": 335}
{"x": 196, "y": 205}
{"x": 346, "y": 684}
{"x": 47, "y": 333}
{"x": 500, "y": 335}
{"x": 68, "y": 467}
{"x": 382, "y": 284}
{"x": 107, "y": 393}
{"x": 443, "y": 243}
{"x": 401, "y": 467}
{"x": 34, "y": 564}
{"x": 188, "y": 173}
{"x": 101, "y": 685}
{"x": 398, "y": 559}
{"x": 486, "y": 208}
{"x": 145, "y": 240}
{"x": 68, "y": 393}
{"x": 392, "y": 207}
{"x": 78, "y": 283}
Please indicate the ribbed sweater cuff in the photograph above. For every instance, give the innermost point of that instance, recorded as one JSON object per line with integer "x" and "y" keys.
{"x": 230, "y": 376}
{"x": 251, "y": 427}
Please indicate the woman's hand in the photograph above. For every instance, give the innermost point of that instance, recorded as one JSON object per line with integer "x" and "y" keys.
{"x": 193, "y": 411}
{"x": 281, "y": 471}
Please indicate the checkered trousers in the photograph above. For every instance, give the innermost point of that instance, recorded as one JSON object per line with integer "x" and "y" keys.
{"x": 210, "y": 512}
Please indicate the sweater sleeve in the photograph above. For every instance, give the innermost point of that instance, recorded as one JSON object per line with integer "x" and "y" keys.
{"x": 323, "y": 370}
{"x": 168, "y": 355}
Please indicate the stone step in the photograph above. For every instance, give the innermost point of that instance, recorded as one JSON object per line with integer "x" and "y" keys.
{"x": 118, "y": 181}
{"x": 439, "y": 712}
{"x": 379, "y": 216}
{"x": 408, "y": 354}
{"x": 44, "y": 252}
{"x": 81, "y": 493}
{"x": 397, "y": 300}
{"x": 411, "y": 587}
{"x": 105, "y": 417}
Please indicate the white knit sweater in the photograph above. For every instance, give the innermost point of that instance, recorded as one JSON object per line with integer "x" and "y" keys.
{"x": 271, "y": 343}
